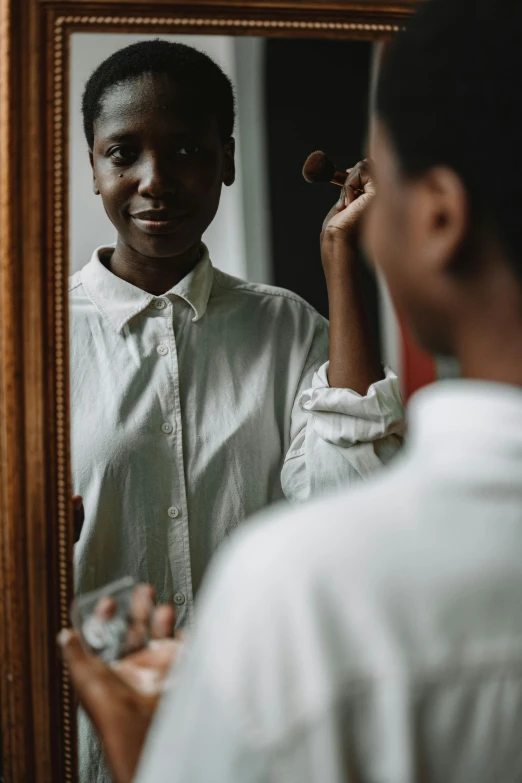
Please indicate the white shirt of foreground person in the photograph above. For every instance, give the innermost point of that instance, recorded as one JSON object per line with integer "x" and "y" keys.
{"x": 184, "y": 408}
{"x": 373, "y": 636}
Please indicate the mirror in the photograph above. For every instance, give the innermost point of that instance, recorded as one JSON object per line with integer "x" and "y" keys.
{"x": 160, "y": 458}
{"x": 280, "y": 72}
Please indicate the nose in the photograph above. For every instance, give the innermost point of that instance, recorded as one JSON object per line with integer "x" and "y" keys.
{"x": 156, "y": 177}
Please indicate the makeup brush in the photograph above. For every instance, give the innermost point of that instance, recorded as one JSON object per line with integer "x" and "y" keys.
{"x": 319, "y": 168}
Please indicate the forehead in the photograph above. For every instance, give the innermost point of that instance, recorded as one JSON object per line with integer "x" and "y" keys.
{"x": 130, "y": 105}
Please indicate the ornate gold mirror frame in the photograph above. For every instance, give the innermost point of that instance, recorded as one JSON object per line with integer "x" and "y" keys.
{"x": 37, "y": 711}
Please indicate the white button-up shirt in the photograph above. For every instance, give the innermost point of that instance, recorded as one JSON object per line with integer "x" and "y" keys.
{"x": 184, "y": 408}
{"x": 373, "y": 636}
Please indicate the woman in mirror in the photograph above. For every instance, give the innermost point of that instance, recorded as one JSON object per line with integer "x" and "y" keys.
{"x": 198, "y": 398}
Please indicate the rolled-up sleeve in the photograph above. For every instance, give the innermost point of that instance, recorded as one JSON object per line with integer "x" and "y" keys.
{"x": 337, "y": 435}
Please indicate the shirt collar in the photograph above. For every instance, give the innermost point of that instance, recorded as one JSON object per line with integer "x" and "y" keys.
{"x": 119, "y": 301}
{"x": 474, "y": 415}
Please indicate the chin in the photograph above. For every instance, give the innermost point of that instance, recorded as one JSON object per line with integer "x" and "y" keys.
{"x": 166, "y": 246}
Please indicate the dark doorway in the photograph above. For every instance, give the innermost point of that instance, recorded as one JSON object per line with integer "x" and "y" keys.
{"x": 317, "y": 95}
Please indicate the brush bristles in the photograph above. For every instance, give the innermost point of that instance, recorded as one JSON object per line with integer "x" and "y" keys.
{"x": 318, "y": 168}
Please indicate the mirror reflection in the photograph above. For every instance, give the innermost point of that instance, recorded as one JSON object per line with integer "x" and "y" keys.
{"x": 201, "y": 393}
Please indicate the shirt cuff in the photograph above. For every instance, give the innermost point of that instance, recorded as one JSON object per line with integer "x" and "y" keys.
{"x": 343, "y": 417}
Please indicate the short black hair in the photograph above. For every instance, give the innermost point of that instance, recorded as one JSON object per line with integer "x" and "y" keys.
{"x": 180, "y": 62}
{"x": 449, "y": 94}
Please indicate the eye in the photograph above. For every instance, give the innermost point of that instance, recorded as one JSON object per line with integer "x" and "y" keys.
{"x": 188, "y": 150}
{"x": 122, "y": 155}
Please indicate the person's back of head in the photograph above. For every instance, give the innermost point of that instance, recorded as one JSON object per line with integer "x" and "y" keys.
{"x": 448, "y": 103}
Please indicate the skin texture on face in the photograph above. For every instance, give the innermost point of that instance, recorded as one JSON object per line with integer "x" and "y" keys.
{"x": 159, "y": 164}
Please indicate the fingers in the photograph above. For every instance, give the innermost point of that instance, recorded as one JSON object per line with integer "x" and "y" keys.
{"x": 359, "y": 176}
{"x": 120, "y": 715}
{"x": 162, "y": 618}
{"x": 142, "y": 623}
{"x": 106, "y": 608}
{"x": 163, "y": 622}
{"x": 363, "y": 170}
{"x": 349, "y": 192}
{"x": 72, "y": 651}
{"x": 143, "y": 599}
{"x": 359, "y": 180}
{"x": 146, "y": 671}
{"x": 139, "y": 629}
{"x": 159, "y": 655}
{"x": 91, "y": 678}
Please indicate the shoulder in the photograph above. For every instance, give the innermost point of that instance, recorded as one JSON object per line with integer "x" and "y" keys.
{"x": 303, "y": 543}
{"x": 267, "y": 293}
{"x": 287, "y": 558}
{"x": 76, "y": 280}
{"x": 297, "y": 586}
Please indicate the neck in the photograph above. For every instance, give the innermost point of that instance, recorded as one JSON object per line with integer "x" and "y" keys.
{"x": 489, "y": 342}
{"x": 153, "y": 275}
{"x": 493, "y": 357}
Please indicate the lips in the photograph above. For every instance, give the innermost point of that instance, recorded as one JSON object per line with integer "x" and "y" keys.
{"x": 158, "y": 221}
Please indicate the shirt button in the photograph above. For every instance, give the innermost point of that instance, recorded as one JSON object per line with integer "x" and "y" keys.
{"x": 159, "y": 304}
{"x": 173, "y": 512}
{"x": 166, "y": 427}
{"x": 179, "y": 599}
{"x": 162, "y": 350}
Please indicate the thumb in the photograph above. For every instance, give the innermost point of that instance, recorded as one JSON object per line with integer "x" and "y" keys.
{"x": 83, "y": 668}
{"x": 71, "y": 648}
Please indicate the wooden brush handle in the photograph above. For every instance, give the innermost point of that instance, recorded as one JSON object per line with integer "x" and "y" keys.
{"x": 340, "y": 178}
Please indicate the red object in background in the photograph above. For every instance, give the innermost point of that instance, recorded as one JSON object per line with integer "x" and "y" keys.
{"x": 418, "y": 368}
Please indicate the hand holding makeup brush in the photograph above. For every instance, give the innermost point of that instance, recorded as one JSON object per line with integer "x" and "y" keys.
{"x": 345, "y": 216}
{"x": 354, "y": 356}
{"x": 358, "y": 189}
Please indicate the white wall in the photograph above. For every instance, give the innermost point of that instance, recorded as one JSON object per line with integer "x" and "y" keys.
{"x": 238, "y": 238}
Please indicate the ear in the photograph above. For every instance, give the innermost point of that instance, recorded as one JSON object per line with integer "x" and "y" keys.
{"x": 229, "y": 163}
{"x": 442, "y": 210}
{"x": 94, "y": 183}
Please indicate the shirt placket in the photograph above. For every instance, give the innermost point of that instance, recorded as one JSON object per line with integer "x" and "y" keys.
{"x": 177, "y": 511}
